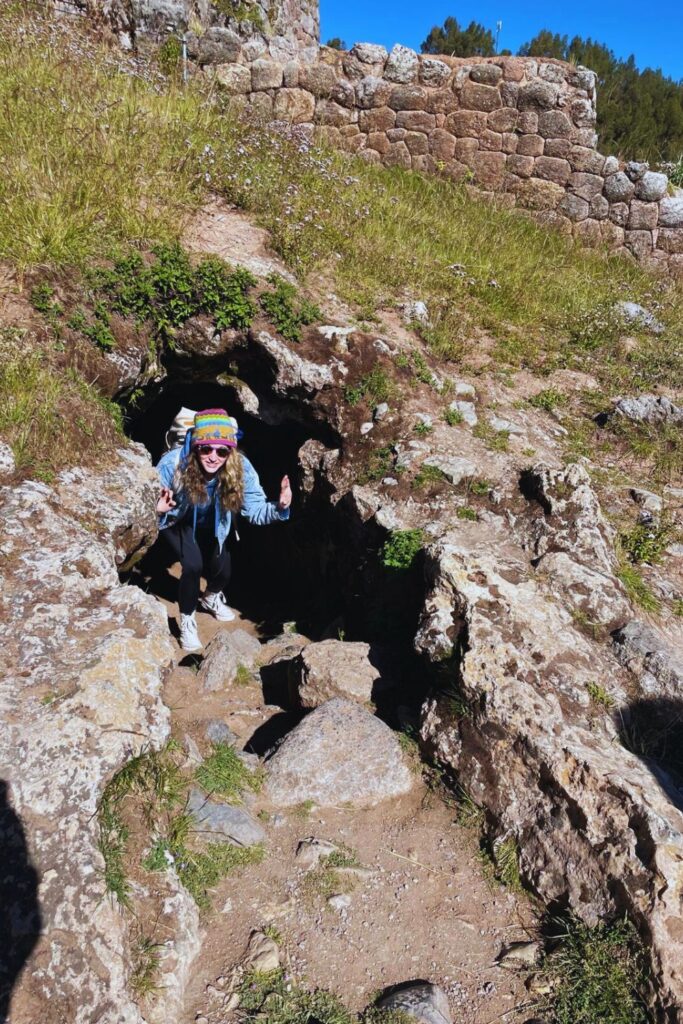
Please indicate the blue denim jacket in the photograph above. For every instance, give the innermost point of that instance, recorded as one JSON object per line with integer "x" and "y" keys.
{"x": 255, "y": 506}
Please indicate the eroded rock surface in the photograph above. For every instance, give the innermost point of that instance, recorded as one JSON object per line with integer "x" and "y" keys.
{"x": 83, "y": 660}
{"x": 334, "y": 668}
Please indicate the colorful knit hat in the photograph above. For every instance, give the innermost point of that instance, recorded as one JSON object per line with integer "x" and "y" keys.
{"x": 214, "y": 427}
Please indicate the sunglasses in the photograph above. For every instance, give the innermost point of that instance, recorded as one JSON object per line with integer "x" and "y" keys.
{"x": 206, "y": 449}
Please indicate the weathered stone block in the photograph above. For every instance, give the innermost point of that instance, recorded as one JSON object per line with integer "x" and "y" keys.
{"x": 504, "y": 119}
{"x": 618, "y": 213}
{"x": 671, "y": 212}
{"x": 557, "y": 147}
{"x": 510, "y": 142}
{"x": 397, "y": 156}
{"x": 553, "y": 219}
{"x": 585, "y": 185}
{"x": 369, "y": 53}
{"x": 513, "y": 70}
{"x": 583, "y": 78}
{"x": 588, "y": 232}
{"x": 538, "y": 95}
{"x": 372, "y": 92}
{"x": 582, "y": 113}
{"x": 618, "y": 188}
{"x": 527, "y": 122}
{"x": 441, "y": 101}
{"x": 491, "y": 141}
{"x": 467, "y": 123}
{"x": 261, "y": 106}
{"x": 670, "y": 240}
{"x": 553, "y": 124}
{"x": 355, "y": 69}
{"x": 552, "y": 73}
{"x": 635, "y": 170}
{"x": 530, "y": 145}
{"x": 642, "y": 216}
{"x": 216, "y": 46}
{"x": 522, "y": 166}
{"x": 652, "y": 187}
{"x": 319, "y": 79}
{"x": 434, "y": 72}
{"x": 486, "y": 74}
{"x": 574, "y": 207}
{"x": 396, "y": 134}
{"x": 415, "y": 120}
{"x": 552, "y": 168}
{"x": 480, "y": 97}
{"x": 417, "y": 143}
{"x": 329, "y": 112}
{"x": 295, "y": 105}
{"x": 379, "y": 142}
{"x": 537, "y": 194}
{"x": 599, "y": 208}
{"x": 488, "y": 168}
{"x": 586, "y": 137}
{"x": 509, "y": 94}
{"x": 441, "y": 144}
{"x": 640, "y": 243}
{"x": 290, "y": 74}
{"x": 332, "y": 136}
{"x": 407, "y": 97}
{"x": 266, "y": 74}
{"x": 611, "y": 166}
{"x": 378, "y": 120}
{"x": 465, "y": 149}
{"x": 402, "y": 65}
{"x": 370, "y": 156}
{"x": 343, "y": 93}
{"x": 612, "y": 234}
{"x": 424, "y": 163}
{"x": 583, "y": 159}
{"x": 235, "y": 78}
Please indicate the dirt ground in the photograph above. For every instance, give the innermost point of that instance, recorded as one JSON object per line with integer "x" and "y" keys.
{"x": 424, "y": 909}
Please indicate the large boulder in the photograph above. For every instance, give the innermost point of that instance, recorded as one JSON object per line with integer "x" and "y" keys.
{"x": 339, "y": 754}
{"x": 334, "y": 668}
{"x": 83, "y": 664}
{"x": 228, "y": 652}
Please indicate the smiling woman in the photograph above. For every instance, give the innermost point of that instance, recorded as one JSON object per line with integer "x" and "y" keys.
{"x": 204, "y": 484}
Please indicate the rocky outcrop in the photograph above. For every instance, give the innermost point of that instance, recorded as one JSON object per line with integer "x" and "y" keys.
{"x": 83, "y": 661}
{"x": 334, "y": 668}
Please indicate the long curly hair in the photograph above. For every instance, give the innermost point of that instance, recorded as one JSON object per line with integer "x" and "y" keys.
{"x": 230, "y": 482}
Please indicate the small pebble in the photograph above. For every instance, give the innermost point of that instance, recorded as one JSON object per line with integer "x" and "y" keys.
{"x": 365, "y": 428}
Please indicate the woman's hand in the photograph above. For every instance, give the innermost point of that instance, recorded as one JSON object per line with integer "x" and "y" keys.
{"x": 285, "y": 494}
{"x": 165, "y": 502}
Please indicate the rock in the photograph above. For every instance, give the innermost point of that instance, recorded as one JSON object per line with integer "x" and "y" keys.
{"x": 310, "y": 851}
{"x": 647, "y": 500}
{"x": 402, "y": 65}
{"x": 215, "y": 46}
{"x": 266, "y": 74}
{"x": 340, "y": 903}
{"x": 520, "y": 952}
{"x": 370, "y": 53}
{"x": 415, "y": 312}
{"x": 366, "y": 427}
{"x": 218, "y": 732}
{"x": 294, "y": 373}
{"x": 651, "y": 187}
{"x": 235, "y": 78}
{"x": 645, "y": 652}
{"x": 424, "y": 1002}
{"x": 425, "y": 419}
{"x": 334, "y": 668}
{"x": 635, "y": 171}
{"x": 84, "y": 660}
{"x": 648, "y": 409}
{"x": 671, "y": 212}
{"x": 224, "y": 656}
{"x": 454, "y": 468}
{"x": 262, "y": 955}
{"x": 380, "y": 412}
{"x": 294, "y": 105}
{"x": 501, "y": 425}
{"x": 221, "y": 822}
{"x": 434, "y": 72}
{"x": 466, "y": 410}
{"x": 339, "y": 754}
{"x": 7, "y": 463}
{"x": 538, "y": 95}
{"x": 618, "y": 188}
{"x": 634, "y": 313}
{"x": 464, "y": 389}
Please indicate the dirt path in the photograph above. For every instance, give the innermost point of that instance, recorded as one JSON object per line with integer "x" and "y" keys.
{"x": 424, "y": 909}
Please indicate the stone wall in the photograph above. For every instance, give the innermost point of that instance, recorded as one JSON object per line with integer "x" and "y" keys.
{"x": 518, "y": 127}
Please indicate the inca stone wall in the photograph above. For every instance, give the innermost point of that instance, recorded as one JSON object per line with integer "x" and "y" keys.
{"x": 517, "y": 127}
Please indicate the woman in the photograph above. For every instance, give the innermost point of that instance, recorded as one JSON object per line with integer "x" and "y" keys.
{"x": 202, "y": 485}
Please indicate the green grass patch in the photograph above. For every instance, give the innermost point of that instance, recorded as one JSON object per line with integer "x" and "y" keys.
{"x": 276, "y": 999}
{"x": 374, "y": 387}
{"x": 599, "y": 975}
{"x": 637, "y": 589}
{"x": 380, "y": 463}
{"x": 495, "y": 440}
{"x": 401, "y": 549}
{"x": 287, "y": 310}
{"x": 549, "y": 399}
{"x": 599, "y": 696}
{"x": 201, "y": 870}
{"x": 453, "y": 417}
{"x": 647, "y": 542}
{"x": 467, "y": 512}
{"x": 50, "y": 417}
{"x": 428, "y": 475}
{"x": 225, "y": 774}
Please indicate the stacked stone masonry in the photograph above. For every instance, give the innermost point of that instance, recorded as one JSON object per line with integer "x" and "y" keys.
{"x": 521, "y": 128}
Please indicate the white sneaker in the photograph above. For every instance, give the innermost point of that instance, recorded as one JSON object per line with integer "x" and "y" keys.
{"x": 217, "y": 605}
{"x": 189, "y": 637}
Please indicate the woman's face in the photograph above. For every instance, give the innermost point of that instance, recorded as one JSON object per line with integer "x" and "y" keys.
{"x": 211, "y": 459}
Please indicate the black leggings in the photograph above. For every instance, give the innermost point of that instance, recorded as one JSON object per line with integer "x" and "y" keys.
{"x": 198, "y": 556}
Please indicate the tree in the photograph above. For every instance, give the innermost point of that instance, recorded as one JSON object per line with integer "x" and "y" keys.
{"x": 473, "y": 41}
{"x": 336, "y": 43}
{"x": 546, "y": 44}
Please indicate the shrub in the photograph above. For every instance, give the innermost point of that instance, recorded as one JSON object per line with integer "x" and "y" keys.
{"x": 646, "y": 542}
{"x": 287, "y": 311}
{"x": 548, "y": 399}
{"x": 375, "y": 387}
{"x": 401, "y": 549}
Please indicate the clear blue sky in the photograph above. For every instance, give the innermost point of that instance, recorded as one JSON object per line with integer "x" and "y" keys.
{"x": 654, "y": 35}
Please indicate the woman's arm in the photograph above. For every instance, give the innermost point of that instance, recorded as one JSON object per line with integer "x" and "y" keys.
{"x": 255, "y": 506}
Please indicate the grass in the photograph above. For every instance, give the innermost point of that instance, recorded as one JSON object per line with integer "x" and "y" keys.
{"x": 428, "y": 475}
{"x": 401, "y": 549}
{"x": 599, "y": 696}
{"x": 287, "y": 310}
{"x": 637, "y": 589}
{"x": 325, "y": 881}
{"x": 598, "y": 975}
{"x": 277, "y": 999}
{"x": 374, "y": 387}
{"x": 201, "y": 870}
{"x": 50, "y": 417}
{"x": 223, "y": 773}
{"x": 244, "y": 676}
{"x": 647, "y": 542}
{"x": 467, "y": 512}
{"x": 549, "y": 399}
{"x": 304, "y": 809}
{"x": 495, "y": 440}
{"x": 145, "y": 956}
{"x": 453, "y": 417}
{"x": 506, "y": 860}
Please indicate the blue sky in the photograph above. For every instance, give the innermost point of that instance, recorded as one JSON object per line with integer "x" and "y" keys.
{"x": 655, "y": 38}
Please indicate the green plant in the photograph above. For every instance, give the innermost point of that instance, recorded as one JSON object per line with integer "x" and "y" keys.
{"x": 470, "y": 815}
{"x": 548, "y": 399}
{"x": 287, "y": 311}
{"x": 145, "y": 956}
{"x": 495, "y": 440}
{"x": 422, "y": 428}
{"x": 466, "y": 512}
{"x": 677, "y": 607}
{"x": 599, "y": 695}
{"x": 401, "y": 549}
{"x": 241, "y": 11}
{"x": 506, "y": 858}
{"x": 646, "y": 542}
{"x": 304, "y": 809}
{"x": 276, "y": 999}
{"x": 375, "y": 386}
{"x": 598, "y": 975}
{"x": 453, "y": 417}
{"x": 169, "y": 56}
{"x": 427, "y": 475}
{"x": 201, "y": 870}
{"x": 325, "y": 880}
{"x": 380, "y": 464}
{"x": 637, "y": 589}
{"x": 481, "y": 488}
{"x": 223, "y": 772}
{"x": 243, "y": 676}
{"x": 411, "y": 748}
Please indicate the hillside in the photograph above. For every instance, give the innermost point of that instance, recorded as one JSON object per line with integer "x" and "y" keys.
{"x": 442, "y": 737}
